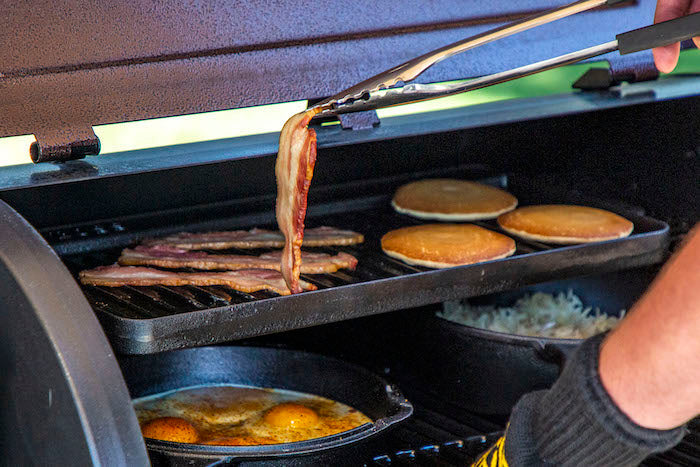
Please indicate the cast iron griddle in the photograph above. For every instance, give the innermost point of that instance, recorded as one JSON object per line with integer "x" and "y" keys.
{"x": 153, "y": 319}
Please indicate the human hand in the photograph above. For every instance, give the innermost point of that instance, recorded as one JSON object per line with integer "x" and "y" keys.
{"x": 666, "y": 57}
{"x": 649, "y": 365}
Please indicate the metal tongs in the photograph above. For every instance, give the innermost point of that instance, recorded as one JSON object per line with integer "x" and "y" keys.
{"x": 367, "y": 96}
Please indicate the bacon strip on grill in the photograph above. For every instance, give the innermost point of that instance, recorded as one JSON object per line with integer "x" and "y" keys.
{"x": 255, "y": 238}
{"x": 166, "y": 256}
{"x": 244, "y": 280}
{"x": 294, "y": 169}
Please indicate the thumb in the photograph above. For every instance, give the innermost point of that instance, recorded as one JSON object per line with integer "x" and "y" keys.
{"x": 666, "y": 58}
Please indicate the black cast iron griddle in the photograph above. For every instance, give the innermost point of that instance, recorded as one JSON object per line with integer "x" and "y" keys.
{"x": 266, "y": 368}
{"x": 153, "y": 319}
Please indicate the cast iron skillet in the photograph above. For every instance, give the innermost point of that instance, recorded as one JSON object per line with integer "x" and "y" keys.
{"x": 267, "y": 368}
{"x": 486, "y": 371}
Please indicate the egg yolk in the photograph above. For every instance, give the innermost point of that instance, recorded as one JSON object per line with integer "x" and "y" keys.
{"x": 170, "y": 429}
{"x": 290, "y": 415}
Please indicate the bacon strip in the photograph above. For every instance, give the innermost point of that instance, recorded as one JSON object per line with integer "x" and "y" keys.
{"x": 255, "y": 238}
{"x": 244, "y": 280}
{"x": 294, "y": 169}
{"x": 166, "y": 256}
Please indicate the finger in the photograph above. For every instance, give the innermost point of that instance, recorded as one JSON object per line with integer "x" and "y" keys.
{"x": 671, "y": 9}
{"x": 694, "y": 8}
{"x": 666, "y": 58}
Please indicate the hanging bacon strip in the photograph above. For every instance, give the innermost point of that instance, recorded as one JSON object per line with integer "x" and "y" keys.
{"x": 255, "y": 238}
{"x": 166, "y": 256}
{"x": 294, "y": 169}
{"x": 244, "y": 280}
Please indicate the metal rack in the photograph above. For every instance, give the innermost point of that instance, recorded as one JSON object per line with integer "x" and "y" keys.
{"x": 152, "y": 319}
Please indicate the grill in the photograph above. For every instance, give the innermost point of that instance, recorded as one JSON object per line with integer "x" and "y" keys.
{"x": 421, "y": 443}
{"x": 152, "y": 319}
{"x": 440, "y": 432}
{"x": 69, "y": 67}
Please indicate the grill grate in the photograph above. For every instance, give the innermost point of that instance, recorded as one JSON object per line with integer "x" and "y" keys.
{"x": 152, "y": 319}
{"x": 456, "y": 451}
{"x": 159, "y": 301}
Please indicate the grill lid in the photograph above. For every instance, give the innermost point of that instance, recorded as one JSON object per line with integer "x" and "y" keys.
{"x": 67, "y": 66}
{"x": 63, "y": 396}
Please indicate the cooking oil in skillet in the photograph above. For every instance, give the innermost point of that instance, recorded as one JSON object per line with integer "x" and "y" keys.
{"x": 229, "y": 415}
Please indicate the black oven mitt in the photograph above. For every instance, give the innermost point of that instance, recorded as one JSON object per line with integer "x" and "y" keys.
{"x": 575, "y": 423}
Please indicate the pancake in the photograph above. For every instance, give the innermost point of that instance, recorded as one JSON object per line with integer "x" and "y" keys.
{"x": 452, "y": 200}
{"x": 446, "y": 245}
{"x": 565, "y": 224}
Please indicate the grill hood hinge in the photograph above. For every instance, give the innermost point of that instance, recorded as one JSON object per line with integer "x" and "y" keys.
{"x": 359, "y": 120}
{"x": 631, "y": 68}
{"x": 64, "y": 145}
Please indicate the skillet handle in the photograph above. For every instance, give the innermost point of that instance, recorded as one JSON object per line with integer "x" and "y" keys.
{"x": 658, "y": 35}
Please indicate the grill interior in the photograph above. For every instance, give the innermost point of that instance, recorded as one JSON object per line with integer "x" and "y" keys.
{"x": 158, "y": 301}
{"x": 441, "y": 432}
{"x": 157, "y": 318}
{"x": 149, "y": 319}
{"x": 419, "y": 443}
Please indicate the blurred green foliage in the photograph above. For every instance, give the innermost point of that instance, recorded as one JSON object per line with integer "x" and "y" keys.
{"x": 557, "y": 81}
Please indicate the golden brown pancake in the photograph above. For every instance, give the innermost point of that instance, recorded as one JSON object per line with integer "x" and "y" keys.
{"x": 452, "y": 200}
{"x": 446, "y": 245}
{"x": 565, "y": 224}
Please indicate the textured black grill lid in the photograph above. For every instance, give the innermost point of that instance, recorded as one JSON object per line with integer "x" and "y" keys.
{"x": 64, "y": 401}
{"x": 68, "y": 65}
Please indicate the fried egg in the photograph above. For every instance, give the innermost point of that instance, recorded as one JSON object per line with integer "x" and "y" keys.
{"x": 242, "y": 416}
{"x": 291, "y": 415}
{"x": 170, "y": 429}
